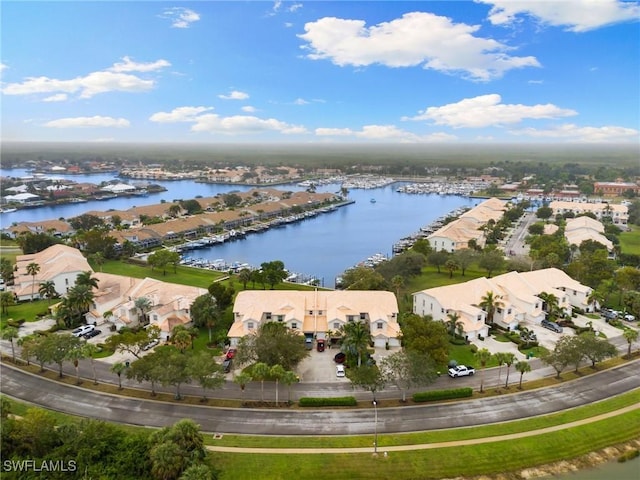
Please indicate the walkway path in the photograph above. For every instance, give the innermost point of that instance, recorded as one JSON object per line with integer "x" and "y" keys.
{"x": 429, "y": 446}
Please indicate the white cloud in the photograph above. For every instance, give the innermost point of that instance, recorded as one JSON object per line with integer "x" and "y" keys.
{"x": 574, "y": 133}
{"x": 295, "y": 7}
{"x": 300, "y": 101}
{"x": 111, "y": 80}
{"x": 384, "y": 133}
{"x": 180, "y": 17}
{"x": 130, "y": 66}
{"x": 576, "y": 15}
{"x": 487, "y": 110}
{"x": 248, "y": 109}
{"x": 96, "y": 121}
{"x": 3, "y": 67}
{"x": 235, "y": 95}
{"x": 58, "y": 97}
{"x": 417, "y": 38}
{"x": 180, "y": 114}
{"x": 242, "y": 124}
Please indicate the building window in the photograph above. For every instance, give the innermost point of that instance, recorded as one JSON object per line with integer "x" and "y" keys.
{"x": 379, "y": 325}
{"x": 267, "y": 315}
{"x": 250, "y": 325}
{"x": 363, "y": 316}
{"x": 155, "y": 318}
{"x": 281, "y": 318}
{"x": 442, "y": 310}
{"x": 336, "y": 325}
{"x": 294, "y": 325}
{"x": 499, "y": 311}
{"x": 479, "y": 318}
{"x": 509, "y": 312}
{"x": 575, "y": 293}
{"x": 66, "y": 281}
{"x": 350, "y": 318}
{"x": 319, "y": 312}
{"x": 310, "y": 312}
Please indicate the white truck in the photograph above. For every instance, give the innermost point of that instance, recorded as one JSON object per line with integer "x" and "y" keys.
{"x": 461, "y": 371}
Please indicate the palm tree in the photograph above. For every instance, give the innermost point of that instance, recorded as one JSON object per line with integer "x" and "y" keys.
{"x": 174, "y": 210}
{"x": 551, "y": 305}
{"x": 522, "y": 367}
{"x": 242, "y": 379}
{"x": 143, "y": 304}
{"x": 181, "y": 337}
{"x": 260, "y": 371}
{"x": 85, "y": 278}
{"x": 32, "y": 269}
{"x": 90, "y": 351}
{"x": 397, "y": 282}
{"x": 98, "y": 259}
{"x": 6, "y": 300}
{"x": 48, "y": 290}
{"x": 499, "y": 357}
{"x": 509, "y": 358}
{"x": 483, "y": 355}
{"x": 10, "y": 333}
{"x": 452, "y": 322}
{"x": 75, "y": 354}
{"x": 118, "y": 368}
{"x": 490, "y": 303}
{"x": 277, "y": 372}
{"x": 244, "y": 276}
{"x": 356, "y": 338}
{"x": 451, "y": 265}
{"x": 80, "y": 300}
{"x": 289, "y": 378}
{"x": 630, "y": 336}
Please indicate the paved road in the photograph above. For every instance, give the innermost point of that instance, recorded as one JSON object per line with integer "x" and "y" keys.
{"x": 113, "y": 408}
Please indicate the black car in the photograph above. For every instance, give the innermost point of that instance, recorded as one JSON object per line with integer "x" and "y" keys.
{"x": 93, "y": 333}
{"x": 339, "y": 357}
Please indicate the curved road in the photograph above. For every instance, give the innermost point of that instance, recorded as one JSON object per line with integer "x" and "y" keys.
{"x": 114, "y": 408}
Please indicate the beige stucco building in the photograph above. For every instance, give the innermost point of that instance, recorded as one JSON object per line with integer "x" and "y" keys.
{"x": 315, "y": 313}
{"x": 518, "y": 294}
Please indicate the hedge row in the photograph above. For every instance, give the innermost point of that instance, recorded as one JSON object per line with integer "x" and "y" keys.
{"x": 327, "y": 402}
{"x": 443, "y": 394}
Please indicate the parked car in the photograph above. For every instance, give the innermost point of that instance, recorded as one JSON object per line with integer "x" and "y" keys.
{"x": 340, "y": 372}
{"x": 92, "y": 333}
{"x": 339, "y": 357}
{"x": 81, "y": 331}
{"x": 629, "y": 318}
{"x": 461, "y": 371}
{"x": 151, "y": 344}
{"x": 308, "y": 343}
{"x": 609, "y": 314}
{"x": 553, "y": 326}
{"x": 226, "y": 365}
{"x": 320, "y": 345}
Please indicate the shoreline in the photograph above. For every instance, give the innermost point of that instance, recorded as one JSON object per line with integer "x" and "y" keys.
{"x": 575, "y": 465}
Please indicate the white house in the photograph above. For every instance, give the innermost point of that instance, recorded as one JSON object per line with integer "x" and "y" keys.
{"x": 314, "y": 313}
{"x": 115, "y": 302}
{"x": 518, "y": 296}
{"x": 58, "y": 263}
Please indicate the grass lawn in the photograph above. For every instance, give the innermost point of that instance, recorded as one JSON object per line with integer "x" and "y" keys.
{"x": 430, "y": 277}
{"x": 630, "y": 241}
{"x": 196, "y": 277}
{"x": 28, "y": 310}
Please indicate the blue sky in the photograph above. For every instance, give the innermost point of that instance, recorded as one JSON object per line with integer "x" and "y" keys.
{"x": 488, "y": 71}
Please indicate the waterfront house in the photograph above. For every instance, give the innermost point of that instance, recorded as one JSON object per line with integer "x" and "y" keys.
{"x": 518, "y": 300}
{"x": 315, "y": 313}
{"x": 580, "y": 229}
{"x": 58, "y": 263}
{"x": 115, "y": 303}
{"x": 458, "y": 233}
{"x": 618, "y": 212}
{"x": 57, "y": 228}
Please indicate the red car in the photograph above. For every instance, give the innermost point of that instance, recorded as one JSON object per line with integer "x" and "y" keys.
{"x": 231, "y": 353}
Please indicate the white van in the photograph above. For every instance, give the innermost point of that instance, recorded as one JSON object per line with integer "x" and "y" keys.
{"x": 340, "y": 371}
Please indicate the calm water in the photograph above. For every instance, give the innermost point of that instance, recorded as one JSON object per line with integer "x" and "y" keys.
{"x": 323, "y": 246}
{"x": 609, "y": 471}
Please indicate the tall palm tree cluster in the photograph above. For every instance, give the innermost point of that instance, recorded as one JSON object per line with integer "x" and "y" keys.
{"x": 78, "y": 300}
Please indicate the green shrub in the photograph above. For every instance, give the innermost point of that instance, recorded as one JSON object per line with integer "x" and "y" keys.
{"x": 443, "y": 394}
{"x": 473, "y": 348}
{"x": 328, "y": 402}
{"x": 630, "y": 455}
{"x": 457, "y": 340}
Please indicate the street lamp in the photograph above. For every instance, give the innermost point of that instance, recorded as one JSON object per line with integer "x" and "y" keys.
{"x": 375, "y": 438}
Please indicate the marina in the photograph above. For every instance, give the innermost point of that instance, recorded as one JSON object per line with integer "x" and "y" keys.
{"x": 321, "y": 246}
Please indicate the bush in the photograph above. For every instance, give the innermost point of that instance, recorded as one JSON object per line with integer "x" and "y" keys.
{"x": 443, "y": 394}
{"x": 327, "y": 402}
{"x": 15, "y": 323}
{"x": 473, "y": 348}
{"x": 630, "y": 455}
{"x": 457, "y": 340}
